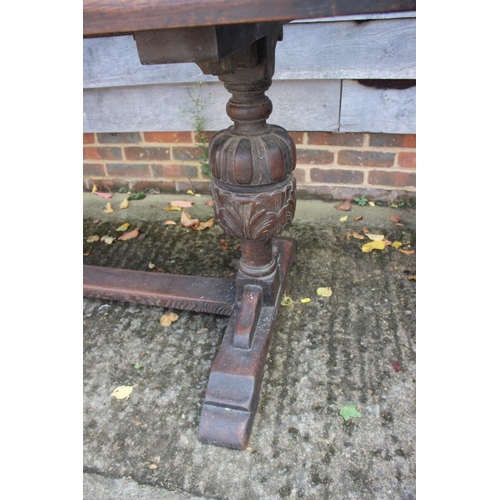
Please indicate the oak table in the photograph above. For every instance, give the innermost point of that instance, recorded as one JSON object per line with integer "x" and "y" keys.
{"x": 253, "y": 186}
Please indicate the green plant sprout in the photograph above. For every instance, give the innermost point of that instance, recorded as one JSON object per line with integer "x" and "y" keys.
{"x": 361, "y": 201}
{"x": 199, "y": 122}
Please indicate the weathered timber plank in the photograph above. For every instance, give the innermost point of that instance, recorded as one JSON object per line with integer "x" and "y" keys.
{"x": 368, "y": 109}
{"x": 304, "y": 105}
{"x": 381, "y": 49}
{"x": 115, "y": 16}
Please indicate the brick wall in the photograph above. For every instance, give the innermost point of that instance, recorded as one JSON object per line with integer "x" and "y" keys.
{"x": 329, "y": 165}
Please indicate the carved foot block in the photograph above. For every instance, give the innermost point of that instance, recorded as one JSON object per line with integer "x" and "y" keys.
{"x": 234, "y": 384}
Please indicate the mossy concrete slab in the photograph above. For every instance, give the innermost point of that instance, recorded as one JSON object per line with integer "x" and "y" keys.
{"x": 354, "y": 347}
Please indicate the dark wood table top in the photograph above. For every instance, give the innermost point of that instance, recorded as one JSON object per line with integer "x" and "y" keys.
{"x": 115, "y": 17}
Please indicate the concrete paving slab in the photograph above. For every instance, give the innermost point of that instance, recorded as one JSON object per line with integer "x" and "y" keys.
{"x": 355, "y": 347}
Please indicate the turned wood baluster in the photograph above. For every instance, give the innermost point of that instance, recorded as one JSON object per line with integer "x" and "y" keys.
{"x": 252, "y": 162}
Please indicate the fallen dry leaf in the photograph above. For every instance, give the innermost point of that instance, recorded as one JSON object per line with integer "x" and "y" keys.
{"x": 223, "y": 244}
{"x": 109, "y": 209}
{"x": 168, "y": 318}
{"x": 397, "y": 244}
{"x": 373, "y": 245}
{"x": 358, "y": 235}
{"x": 396, "y": 366}
{"x": 92, "y": 239}
{"x": 151, "y": 265}
{"x": 190, "y": 191}
{"x": 413, "y": 277}
{"x": 286, "y": 301}
{"x": 395, "y": 219}
{"x": 359, "y": 217}
{"x": 124, "y": 204}
{"x": 123, "y": 227}
{"x": 103, "y": 195}
{"x": 204, "y": 225}
{"x": 387, "y": 242}
{"x": 94, "y": 188}
{"x": 375, "y": 237}
{"x": 195, "y": 224}
{"x": 343, "y": 219}
{"x": 86, "y": 254}
{"x": 108, "y": 239}
{"x": 306, "y": 300}
{"x": 170, "y": 223}
{"x": 186, "y": 221}
{"x": 324, "y": 291}
{"x": 182, "y": 203}
{"x": 371, "y": 203}
{"x": 209, "y": 203}
{"x": 129, "y": 235}
{"x": 122, "y": 391}
{"x": 345, "y": 205}
{"x": 153, "y": 466}
{"x": 407, "y": 252}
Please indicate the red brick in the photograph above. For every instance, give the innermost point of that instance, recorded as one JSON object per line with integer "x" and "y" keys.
{"x": 393, "y": 179}
{"x": 207, "y": 134}
{"x": 365, "y": 158}
{"x": 187, "y": 154}
{"x": 337, "y": 176}
{"x": 93, "y": 169}
{"x": 118, "y": 137}
{"x": 393, "y": 140}
{"x": 298, "y": 137}
{"x": 88, "y": 138}
{"x": 174, "y": 171}
{"x": 314, "y": 157}
{"x": 407, "y": 160}
{"x": 171, "y": 137}
{"x": 147, "y": 154}
{"x": 335, "y": 139}
{"x": 102, "y": 153}
{"x": 300, "y": 174}
{"x": 128, "y": 170}
{"x": 145, "y": 185}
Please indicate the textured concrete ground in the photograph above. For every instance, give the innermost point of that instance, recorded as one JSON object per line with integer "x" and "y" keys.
{"x": 329, "y": 352}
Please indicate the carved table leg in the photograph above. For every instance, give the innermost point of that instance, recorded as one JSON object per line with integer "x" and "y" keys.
{"x": 254, "y": 200}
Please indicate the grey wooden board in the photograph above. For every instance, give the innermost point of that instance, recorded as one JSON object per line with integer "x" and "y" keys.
{"x": 366, "y": 109}
{"x": 377, "y": 49}
{"x": 304, "y": 105}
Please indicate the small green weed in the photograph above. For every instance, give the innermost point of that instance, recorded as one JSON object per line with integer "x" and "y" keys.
{"x": 361, "y": 201}
{"x": 199, "y": 122}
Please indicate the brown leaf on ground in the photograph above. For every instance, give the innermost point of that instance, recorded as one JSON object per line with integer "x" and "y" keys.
{"x": 186, "y": 221}
{"x": 168, "y": 318}
{"x": 182, "y": 203}
{"x": 170, "y": 223}
{"x": 195, "y": 224}
{"x": 204, "y": 225}
{"x": 359, "y": 217}
{"x": 344, "y": 206}
{"x": 395, "y": 219}
{"x": 223, "y": 244}
{"x": 209, "y": 203}
{"x": 129, "y": 235}
{"x": 413, "y": 278}
{"x": 109, "y": 209}
{"x": 358, "y": 235}
{"x": 407, "y": 252}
